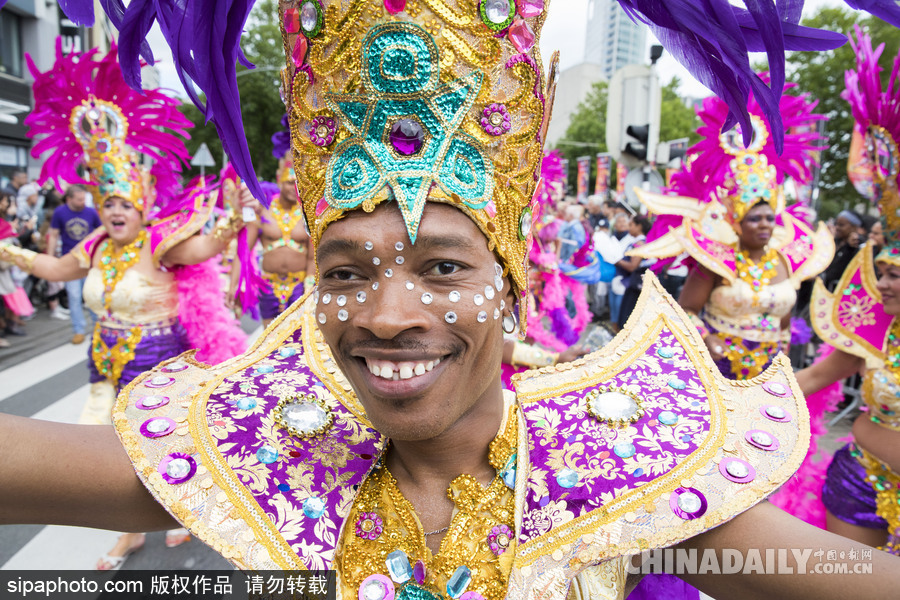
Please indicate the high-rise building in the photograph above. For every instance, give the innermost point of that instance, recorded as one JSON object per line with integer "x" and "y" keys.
{"x": 613, "y": 40}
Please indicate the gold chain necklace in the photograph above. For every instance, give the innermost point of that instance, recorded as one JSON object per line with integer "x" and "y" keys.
{"x": 757, "y": 274}
{"x": 115, "y": 262}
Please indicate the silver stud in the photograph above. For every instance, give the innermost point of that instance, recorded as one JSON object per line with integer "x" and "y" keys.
{"x": 482, "y": 317}
{"x": 478, "y": 299}
{"x": 503, "y": 305}
{"x": 427, "y": 298}
{"x": 410, "y": 285}
{"x": 376, "y": 261}
{"x": 326, "y": 299}
{"x": 398, "y": 246}
{"x": 388, "y": 272}
{"x": 498, "y": 270}
{"x": 496, "y": 313}
{"x": 488, "y": 292}
{"x": 450, "y": 317}
{"x": 454, "y": 296}
{"x": 498, "y": 283}
{"x": 360, "y": 297}
{"x": 399, "y": 260}
{"x": 341, "y": 300}
{"x": 369, "y": 245}
{"x": 316, "y": 297}
{"x": 343, "y": 315}
{"x": 374, "y": 285}
{"x": 322, "y": 318}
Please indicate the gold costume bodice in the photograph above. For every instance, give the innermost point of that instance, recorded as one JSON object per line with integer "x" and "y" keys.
{"x": 480, "y": 535}
{"x": 881, "y": 393}
{"x": 753, "y": 316}
{"x": 286, "y": 221}
{"x": 137, "y": 299}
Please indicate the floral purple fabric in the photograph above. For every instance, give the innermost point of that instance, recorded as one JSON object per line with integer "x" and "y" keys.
{"x": 579, "y": 463}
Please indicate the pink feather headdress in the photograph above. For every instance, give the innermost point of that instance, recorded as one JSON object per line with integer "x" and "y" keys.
{"x": 877, "y": 114}
{"x": 85, "y": 114}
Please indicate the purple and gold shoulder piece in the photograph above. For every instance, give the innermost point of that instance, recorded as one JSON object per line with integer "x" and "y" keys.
{"x": 643, "y": 444}
{"x": 84, "y": 251}
{"x": 169, "y": 231}
{"x": 852, "y": 318}
{"x": 807, "y": 252}
{"x": 260, "y": 456}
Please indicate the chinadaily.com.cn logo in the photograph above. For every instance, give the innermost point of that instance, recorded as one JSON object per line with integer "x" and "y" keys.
{"x": 771, "y": 561}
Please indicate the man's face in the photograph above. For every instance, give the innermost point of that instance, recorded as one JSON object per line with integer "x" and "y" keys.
{"x": 415, "y": 328}
{"x": 77, "y": 200}
{"x": 19, "y": 179}
{"x": 289, "y": 191}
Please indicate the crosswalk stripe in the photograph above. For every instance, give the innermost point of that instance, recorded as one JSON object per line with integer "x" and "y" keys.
{"x": 39, "y": 368}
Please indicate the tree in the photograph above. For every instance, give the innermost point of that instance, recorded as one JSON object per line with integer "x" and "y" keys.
{"x": 261, "y": 104}
{"x": 586, "y": 134}
{"x": 821, "y": 74}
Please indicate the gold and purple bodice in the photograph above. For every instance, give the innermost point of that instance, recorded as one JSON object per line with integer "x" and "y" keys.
{"x": 637, "y": 446}
{"x": 137, "y": 299}
{"x": 753, "y": 316}
{"x": 881, "y": 393}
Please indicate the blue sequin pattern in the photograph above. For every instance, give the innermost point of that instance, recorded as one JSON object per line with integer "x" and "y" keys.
{"x": 400, "y": 76}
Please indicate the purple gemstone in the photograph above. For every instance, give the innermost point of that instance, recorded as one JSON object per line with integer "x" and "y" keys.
{"x": 419, "y": 572}
{"x": 407, "y": 137}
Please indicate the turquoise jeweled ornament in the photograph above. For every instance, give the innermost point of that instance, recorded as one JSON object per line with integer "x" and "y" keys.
{"x": 459, "y": 581}
{"x": 313, "y": 507}
{"x": 267, "y": 454}
{"x": 567, "y": 478}
{"x": 406, "y": 130}
{"x": 398, "y": 566}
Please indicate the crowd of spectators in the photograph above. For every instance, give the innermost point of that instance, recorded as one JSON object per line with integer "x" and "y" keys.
{"x": 40, "y": 219}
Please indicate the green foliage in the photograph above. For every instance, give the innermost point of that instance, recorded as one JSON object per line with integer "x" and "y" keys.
{"x": 261, "y": 105}
{"x": 821, "y": 74}
{"x": 586, "y": 134}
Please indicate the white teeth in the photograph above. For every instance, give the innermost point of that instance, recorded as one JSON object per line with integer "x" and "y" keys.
{"x": 397, "y": 371}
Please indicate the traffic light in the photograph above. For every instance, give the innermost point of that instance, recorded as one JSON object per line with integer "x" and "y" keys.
{"x": 637, "y": 149}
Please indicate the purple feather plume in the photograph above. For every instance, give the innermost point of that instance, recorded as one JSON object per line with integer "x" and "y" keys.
{"x": 281, "y": 139}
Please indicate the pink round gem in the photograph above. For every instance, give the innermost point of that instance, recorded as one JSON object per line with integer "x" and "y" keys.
{"x": 407, "y": 137}
{"x": 394, "y": 6}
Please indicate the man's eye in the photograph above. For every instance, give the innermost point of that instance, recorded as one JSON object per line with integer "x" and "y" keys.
{"x": 445, "y": 268}
{"x": 342, "y": 275}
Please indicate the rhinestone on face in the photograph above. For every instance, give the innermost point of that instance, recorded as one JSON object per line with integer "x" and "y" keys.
{"x": 368, "y": 246}
{"x": 341, "y": 301}
{"x": 326, "y": 299}
{"x": 498, "y": 283}
{"x": 374, "y": 286}
{"x": 427, "y": 298}
{"x": 322, "y": 318}
{"x": 343, "y": 315}
{"x": 450, "y": 317}
{"x": 376, "y": 261}
{"x": 398, "y": 246}
{"x": 496, "y": 313}
{"x": 388, "y": 272}
{"x": 399, "y": 260}
{"x": 482, "y": 317}
{"x": 360, "y": 297}
{"x": 410, "y": 285}
{"x": 488, "y": 292}
{"x": 454, "y": 296}
{"x": 478, "y": 299}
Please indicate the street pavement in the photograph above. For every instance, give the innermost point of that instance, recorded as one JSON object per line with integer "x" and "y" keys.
{"x": 45, "y": 377}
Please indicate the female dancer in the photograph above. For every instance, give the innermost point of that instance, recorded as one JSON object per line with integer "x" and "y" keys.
{"x": 862, "y": 488}
{"x": 147, "y": 276}
{"x": 729, "y": 217}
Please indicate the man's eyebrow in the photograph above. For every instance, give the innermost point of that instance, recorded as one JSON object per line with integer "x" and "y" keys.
{"x": 338, "y": 245}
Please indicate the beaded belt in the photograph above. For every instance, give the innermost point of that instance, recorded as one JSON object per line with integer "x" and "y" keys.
{"x": 767, "y": 329}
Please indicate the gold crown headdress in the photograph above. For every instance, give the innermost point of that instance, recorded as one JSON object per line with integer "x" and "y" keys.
{"x": 286, "y": 169}
{"x": 101, "y": 128}
{"x": 751, "y": 178}
{"x": 417, "y": 100}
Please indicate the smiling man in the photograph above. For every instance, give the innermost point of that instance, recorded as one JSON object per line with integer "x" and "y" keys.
{"x": 367, "y": 431}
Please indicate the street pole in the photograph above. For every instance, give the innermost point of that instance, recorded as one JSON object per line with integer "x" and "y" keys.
{"x": 654, "y": 110}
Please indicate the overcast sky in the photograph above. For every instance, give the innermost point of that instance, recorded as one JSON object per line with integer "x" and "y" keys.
{"x": 564, "y": 30}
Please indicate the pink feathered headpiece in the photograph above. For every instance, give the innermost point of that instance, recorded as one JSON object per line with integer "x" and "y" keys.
{"x": 150, "y": 121}
{"x": 709, "y": 166}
